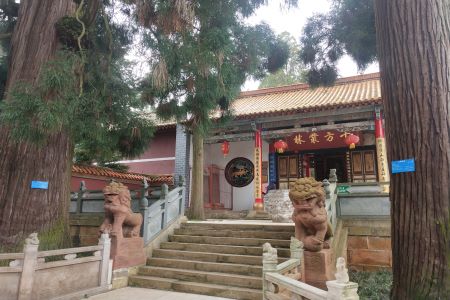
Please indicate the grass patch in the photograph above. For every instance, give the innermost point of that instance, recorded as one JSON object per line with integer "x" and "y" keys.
{"x": 373, "y": 285}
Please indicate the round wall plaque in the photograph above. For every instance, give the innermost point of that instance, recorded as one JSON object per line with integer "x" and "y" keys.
{"x": 239, "y": 172}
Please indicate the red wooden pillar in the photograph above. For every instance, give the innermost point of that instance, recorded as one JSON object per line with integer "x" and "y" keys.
{"x": 383, "y": 171}
{"x": 258, "y": 205}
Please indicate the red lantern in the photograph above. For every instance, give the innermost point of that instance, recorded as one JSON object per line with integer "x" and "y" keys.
{"x": 280, "y": 146}
{"x": 225, "y": 148}
{"x": 351, "y": 140}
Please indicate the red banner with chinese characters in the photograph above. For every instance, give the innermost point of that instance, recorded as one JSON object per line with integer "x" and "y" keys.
{"x": 315, "y": 140}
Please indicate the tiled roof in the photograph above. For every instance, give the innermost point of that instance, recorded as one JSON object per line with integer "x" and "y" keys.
{"x": 109, "y": 173}
{"x": 347, "y": 92}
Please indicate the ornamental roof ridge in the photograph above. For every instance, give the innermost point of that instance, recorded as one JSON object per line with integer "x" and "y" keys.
{"x": 305, "y": 86}
{"x": 107, "y": 172}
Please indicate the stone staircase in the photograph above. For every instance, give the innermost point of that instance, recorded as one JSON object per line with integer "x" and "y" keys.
{"x": 211, "y": 258}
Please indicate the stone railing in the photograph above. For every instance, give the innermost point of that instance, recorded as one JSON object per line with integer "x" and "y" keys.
{"x": 281, "y": 281}
{"x": 159, "y": 214}
{"x": 71, "y": 273}
{"x": 92, "y": 201}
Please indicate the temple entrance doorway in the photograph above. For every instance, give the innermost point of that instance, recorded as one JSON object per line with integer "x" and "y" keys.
{"x": 315, "y": 164}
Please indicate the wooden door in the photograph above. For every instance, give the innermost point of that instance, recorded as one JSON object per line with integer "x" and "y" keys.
{"x": 287, "y": 170}
{"x": 363, "y": 166}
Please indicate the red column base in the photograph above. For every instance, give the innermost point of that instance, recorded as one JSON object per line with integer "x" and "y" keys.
{"x": 258, "y": 205}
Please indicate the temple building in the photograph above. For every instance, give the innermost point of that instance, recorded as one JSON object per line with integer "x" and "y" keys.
{"x": 281, "y": 134}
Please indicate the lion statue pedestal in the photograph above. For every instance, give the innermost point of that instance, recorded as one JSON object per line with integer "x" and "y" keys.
{"x": 127, "y": 248}
{"x": 312, "y": 228}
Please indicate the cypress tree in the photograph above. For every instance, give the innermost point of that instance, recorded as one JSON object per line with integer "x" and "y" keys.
{"x": 202, "y": 53}
{"x": 68, "y": 87}
{"x": 411, "y": 40}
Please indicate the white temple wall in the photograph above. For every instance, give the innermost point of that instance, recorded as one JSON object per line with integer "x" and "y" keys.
{"x": 243, "y": 197}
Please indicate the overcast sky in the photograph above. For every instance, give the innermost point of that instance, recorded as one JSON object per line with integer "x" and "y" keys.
{"x": 292, "y": 21}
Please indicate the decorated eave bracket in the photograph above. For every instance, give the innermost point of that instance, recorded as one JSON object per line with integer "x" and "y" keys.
{"x": 274, "y": 134}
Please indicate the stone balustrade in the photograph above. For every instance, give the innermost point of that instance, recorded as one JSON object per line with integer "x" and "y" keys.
{"x": 69, "y": 273}
{"x": 283, "y": 281}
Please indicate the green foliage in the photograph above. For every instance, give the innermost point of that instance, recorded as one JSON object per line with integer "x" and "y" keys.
{"x": 373, "y": 285}
{"x": 198, "y": 68}
{"x": 55, "y": 237}
{"x": 349, "y": 28}
{"x": 104, "y": 121}
{"x": 293, "y": 72}
{"x": 68, "y": 29}
{"x": 31, "y": 112}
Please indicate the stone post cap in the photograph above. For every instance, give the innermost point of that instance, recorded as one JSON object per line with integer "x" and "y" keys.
{"x": 269, "y": 253}
{"x": 341, "y": 271}
{"x": 32, "y": 239}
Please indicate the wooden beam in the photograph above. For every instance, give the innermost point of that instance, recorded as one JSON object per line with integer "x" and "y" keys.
{"x": 269, "y": 134}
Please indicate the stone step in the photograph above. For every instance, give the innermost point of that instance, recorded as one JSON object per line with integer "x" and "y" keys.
{"x": 195, "y": 287}
{"x": 212, "y": 257}
{"x": 235, "y": 233}
{"x": 222, "y": 249}
{"x": 280, "y": 227}
{"x": 240, "y": 269}
{"x": 251, "y": 282}
{"x": 228, "y": 241}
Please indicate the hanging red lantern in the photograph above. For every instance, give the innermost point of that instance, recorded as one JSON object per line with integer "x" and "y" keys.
{"x": 280, "y": 146}
{"x": 351, "y": 140}
{"x": 225, "y": 148}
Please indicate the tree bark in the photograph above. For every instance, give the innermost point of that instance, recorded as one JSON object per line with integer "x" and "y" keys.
{"x": 196, "y": 210}
{"x": 24, "y": 210}
{"x": 414, "y": 51}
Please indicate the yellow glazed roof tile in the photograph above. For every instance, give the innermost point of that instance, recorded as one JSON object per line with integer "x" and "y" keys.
{"x": 347, "y": 92}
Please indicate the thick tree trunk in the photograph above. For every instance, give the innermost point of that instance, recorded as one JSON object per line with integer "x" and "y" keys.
{"x": 22, "y": 209}
{"x": 414, "y": 53}
{"x": 196, "y": 210}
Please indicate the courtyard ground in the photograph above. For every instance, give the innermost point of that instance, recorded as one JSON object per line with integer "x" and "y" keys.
{"x": 141, "y": 294}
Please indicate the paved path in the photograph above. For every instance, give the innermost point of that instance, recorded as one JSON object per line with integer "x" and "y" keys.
{"x": 132, "y": 293}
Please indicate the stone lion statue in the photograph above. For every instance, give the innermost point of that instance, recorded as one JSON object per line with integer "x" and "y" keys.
{"x": 310, "y": 216}
{"x": 119, "y": 221}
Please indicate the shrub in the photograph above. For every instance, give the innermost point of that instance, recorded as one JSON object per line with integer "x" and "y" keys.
{"x": 372, "y": 285}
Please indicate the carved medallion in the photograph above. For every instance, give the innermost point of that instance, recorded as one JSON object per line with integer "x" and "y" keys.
{"x": 239, "y": 172}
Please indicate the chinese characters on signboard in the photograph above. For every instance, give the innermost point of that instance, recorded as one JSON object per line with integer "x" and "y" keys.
{"x": 382, "y": 160}
{"x": 318, "y": 140}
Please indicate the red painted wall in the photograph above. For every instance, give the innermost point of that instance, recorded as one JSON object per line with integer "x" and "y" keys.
{"x": 162, "y": 146}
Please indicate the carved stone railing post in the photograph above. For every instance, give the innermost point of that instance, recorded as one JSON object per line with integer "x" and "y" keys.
{"x": 182, "y": 191}
{"x": 165, "y": 199}
{"x": 143, "y": 207}
{"x": 342, "y": 288}
{"x": 297, "y": 253}
{"x": 326, "y": 187}
{"x": 270, "y": 261}
{"x": 105, "y": 241}
{"x": 80, "y": 195}
{"x": 332, "y": 177}
{"x": 296, "y": 248}
{"x": 30, "y": 250}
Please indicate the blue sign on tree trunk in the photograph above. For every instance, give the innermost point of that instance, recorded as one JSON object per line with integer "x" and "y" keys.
{"x": 42, "y": 185}
{"x": 402, "y": 166}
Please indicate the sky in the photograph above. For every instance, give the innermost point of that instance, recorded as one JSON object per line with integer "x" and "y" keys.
{"x": 292, "y": 21}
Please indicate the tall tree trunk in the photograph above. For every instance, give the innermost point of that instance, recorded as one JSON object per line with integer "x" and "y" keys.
{"x": 22, "y": 209}
{"x": 196, "y": 210}
{"x": 414, "y": 52}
